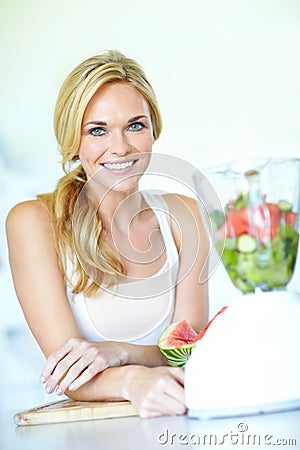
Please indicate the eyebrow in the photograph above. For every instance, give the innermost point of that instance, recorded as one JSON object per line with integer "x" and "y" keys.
{"x": 95, "y": 122}
{"x": 133, "y": 119}
{"x": 102, "y": 123}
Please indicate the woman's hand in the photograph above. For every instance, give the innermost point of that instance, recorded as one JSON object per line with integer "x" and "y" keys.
{"x": 156, "y": 391}
{"x": 77, "y": 361}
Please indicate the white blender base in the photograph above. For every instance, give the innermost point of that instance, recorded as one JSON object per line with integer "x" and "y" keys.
{"x": 243, "y": 410}
{"x": 248, "y": 362}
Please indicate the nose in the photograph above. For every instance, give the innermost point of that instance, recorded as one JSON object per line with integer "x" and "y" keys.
{"x": 119, "y": 145}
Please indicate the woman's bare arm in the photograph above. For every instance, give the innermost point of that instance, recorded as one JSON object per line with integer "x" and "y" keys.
{"x": 193, "y": 247}
{"x": 38, "y": 280}
{"x": 152, "y": 391}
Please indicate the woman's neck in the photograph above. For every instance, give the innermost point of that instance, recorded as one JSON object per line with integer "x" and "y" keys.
{"x": 120, "y": 210}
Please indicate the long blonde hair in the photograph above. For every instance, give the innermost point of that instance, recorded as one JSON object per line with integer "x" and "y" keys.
{"x": 96, "y": 257}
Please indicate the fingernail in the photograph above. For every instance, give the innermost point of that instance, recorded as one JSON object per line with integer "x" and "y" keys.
{"x": 49, "y": 389}
{"x": 42, "y": 380}
{"x": 59, "y": 391}
{"x": 72, "y": 387}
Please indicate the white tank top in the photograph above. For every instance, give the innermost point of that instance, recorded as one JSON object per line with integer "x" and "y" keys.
{"x": 137, "y": 311}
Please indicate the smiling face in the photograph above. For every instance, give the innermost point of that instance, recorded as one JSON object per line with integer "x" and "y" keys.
{"x": 117, "y": 136}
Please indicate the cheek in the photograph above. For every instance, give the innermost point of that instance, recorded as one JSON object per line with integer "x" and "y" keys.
{"x": 144, "y": 143}
{"x": 88, "y": 149}
{"x": 86, "y": 155}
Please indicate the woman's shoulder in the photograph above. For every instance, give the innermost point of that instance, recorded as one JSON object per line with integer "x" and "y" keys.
{"x": 184, "y": 212}
{"x": 177, "y": 201}
{"x": 27, "y": 214}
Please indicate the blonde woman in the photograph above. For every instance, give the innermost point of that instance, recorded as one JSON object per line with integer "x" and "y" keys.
{"x": 89, "y": 260}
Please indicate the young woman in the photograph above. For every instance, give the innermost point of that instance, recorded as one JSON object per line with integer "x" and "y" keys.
{"x": 100, "y": 267}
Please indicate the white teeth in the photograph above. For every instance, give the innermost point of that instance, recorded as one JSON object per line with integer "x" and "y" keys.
{"x": 118, "y": 166}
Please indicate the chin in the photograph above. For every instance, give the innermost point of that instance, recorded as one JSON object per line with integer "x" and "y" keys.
{"x": 125, "y": 186}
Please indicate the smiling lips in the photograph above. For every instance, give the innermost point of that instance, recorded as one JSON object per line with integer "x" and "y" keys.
{"x": 119, "y": 166}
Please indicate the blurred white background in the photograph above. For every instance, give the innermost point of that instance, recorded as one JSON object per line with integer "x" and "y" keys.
{"x": 226, "y": 73}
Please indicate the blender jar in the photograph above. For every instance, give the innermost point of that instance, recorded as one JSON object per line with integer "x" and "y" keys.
{"x": 260, "y": 221}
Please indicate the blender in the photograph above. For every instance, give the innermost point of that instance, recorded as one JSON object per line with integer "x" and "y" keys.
{"x": 248, "y": 362}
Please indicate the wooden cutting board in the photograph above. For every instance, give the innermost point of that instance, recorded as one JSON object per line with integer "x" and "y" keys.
{"x": 71, "y": 411}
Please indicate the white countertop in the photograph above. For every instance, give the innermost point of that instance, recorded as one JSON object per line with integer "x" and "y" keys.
{"x": 270, "y": 430}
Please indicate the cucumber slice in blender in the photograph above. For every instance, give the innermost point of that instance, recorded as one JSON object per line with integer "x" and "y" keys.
{"x": 285, "y": 206}
{"x": 246, "y": 244}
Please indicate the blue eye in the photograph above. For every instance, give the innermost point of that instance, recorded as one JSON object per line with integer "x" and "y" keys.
{"x": 137, "y": 126}
{"x": 96, "y": 131}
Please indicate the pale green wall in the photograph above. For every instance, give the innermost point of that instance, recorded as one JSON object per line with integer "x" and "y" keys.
{"x": 226, "y": 72}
